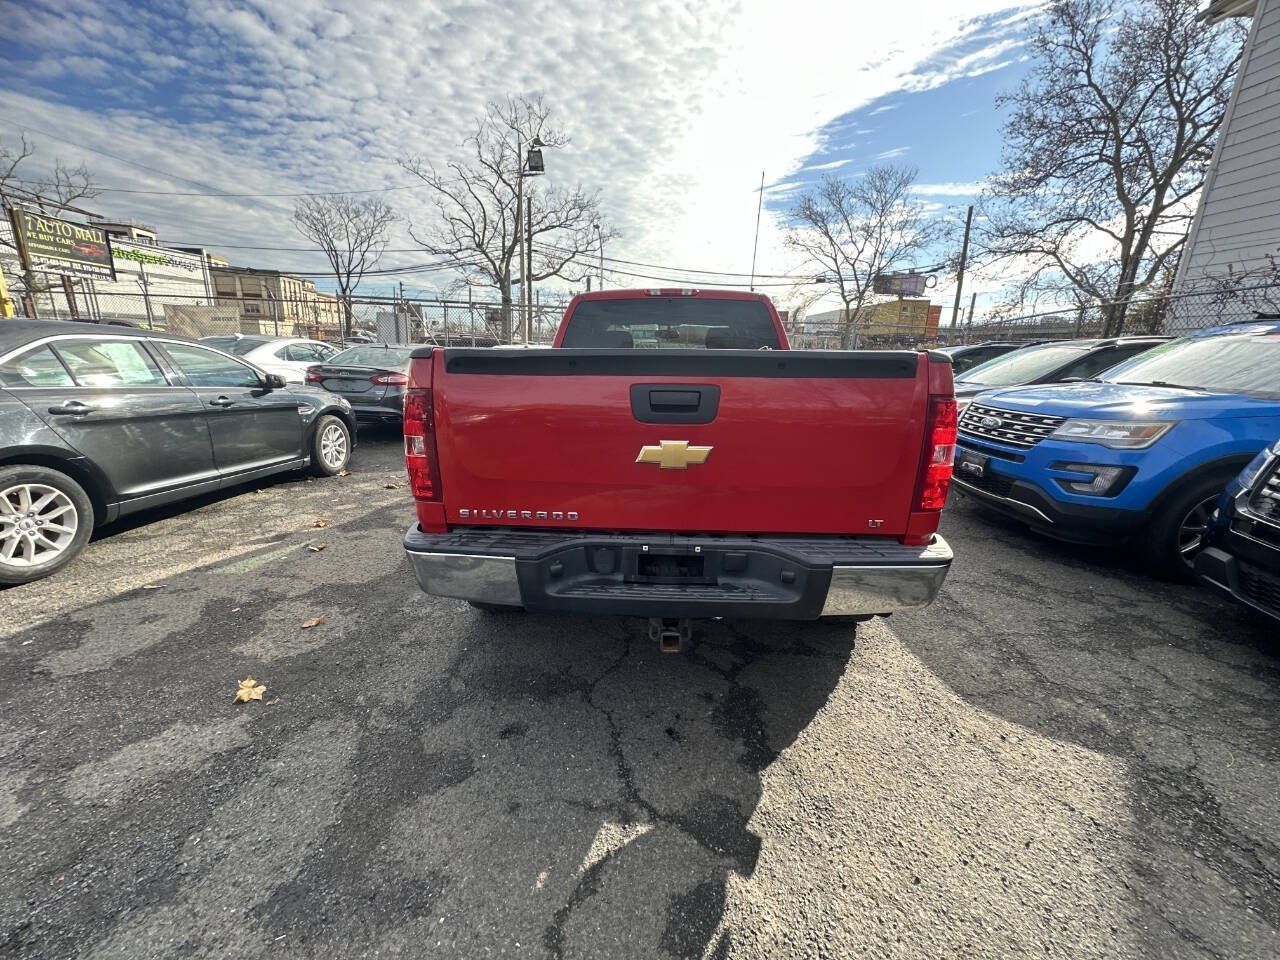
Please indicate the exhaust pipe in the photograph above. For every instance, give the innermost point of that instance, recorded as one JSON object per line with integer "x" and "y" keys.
{"x": 671, "y": 632}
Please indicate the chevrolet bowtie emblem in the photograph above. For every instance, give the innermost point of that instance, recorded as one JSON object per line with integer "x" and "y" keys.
{"x": 673, "y": 454}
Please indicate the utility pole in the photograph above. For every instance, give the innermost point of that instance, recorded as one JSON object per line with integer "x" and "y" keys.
{"x": 406, "y": 317}
{"x": 756, "y": 245}
{"x": 973, "y": 300}
{"x": 599, "y": 240}
{"x": 964, "y": 259}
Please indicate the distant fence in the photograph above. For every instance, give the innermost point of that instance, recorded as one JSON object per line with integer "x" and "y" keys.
{"x": 1210, "y": 304}
{"x": 484, "y": 323}
{"x": 388, "y": 319}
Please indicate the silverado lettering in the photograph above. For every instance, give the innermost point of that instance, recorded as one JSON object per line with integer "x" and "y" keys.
{"x": 472, "y": 514}
{"x": 822, "y": 498}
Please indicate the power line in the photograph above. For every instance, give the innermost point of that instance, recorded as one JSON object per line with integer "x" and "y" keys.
{"x": 246, "y": 196}
{"x": 104, "y": 153}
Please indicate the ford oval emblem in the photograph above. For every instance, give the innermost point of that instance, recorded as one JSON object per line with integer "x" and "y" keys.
{"x": 992, "y": 422}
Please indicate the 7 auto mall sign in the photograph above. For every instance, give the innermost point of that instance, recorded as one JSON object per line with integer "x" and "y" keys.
{"x": 60, "y": 246}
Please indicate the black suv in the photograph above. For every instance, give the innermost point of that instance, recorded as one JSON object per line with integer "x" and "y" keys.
{"x": 97, "y": 422}
{"x": 1053, "y": 362}
{"x": 1243, "y": 556}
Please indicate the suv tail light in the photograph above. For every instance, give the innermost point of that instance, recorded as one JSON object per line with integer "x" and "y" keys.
{"x": 313, "y": 375}
{"x": 939, "y": 454}
{"x": 389, "y": 379}
{"x": 421, "y": 460}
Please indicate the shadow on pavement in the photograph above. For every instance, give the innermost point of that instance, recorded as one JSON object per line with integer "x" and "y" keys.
{"x": 1076, "y": 645}
{"x": 420, "y": 773}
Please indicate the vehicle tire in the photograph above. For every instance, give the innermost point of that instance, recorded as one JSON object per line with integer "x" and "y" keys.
{"x": 494, "y": 607}
{"x": 1175, "y": 534}
{"x": 330, "y": 446}
{"x": 45, "y": 520}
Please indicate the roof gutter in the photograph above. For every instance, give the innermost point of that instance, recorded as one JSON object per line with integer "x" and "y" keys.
{"x": 1219, "y": 10}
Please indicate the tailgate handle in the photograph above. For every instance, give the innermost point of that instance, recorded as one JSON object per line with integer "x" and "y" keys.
{"x": 674, "y": 402}
{"x": 675, "y": 399}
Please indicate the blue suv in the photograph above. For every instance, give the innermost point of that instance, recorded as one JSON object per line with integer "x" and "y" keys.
{"x": 1139, "y": 454}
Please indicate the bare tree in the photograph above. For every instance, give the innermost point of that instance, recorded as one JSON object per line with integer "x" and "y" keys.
{"x": 352, "y": 233}
{"x": 52, "y": 192}
{"x": 477, "y": 220}
{"x": 857, "y": 229}
{"x": 1107, "y": 143}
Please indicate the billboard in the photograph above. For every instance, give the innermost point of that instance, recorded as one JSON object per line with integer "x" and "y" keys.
{"x": 901, "y": 284}
{"x": 54, "y": 245}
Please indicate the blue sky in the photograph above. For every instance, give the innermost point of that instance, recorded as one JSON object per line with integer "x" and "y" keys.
{"x": 673, "y": 107}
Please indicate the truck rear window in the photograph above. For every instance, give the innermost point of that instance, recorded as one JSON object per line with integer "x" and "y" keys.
{"x": 672, "y": 323}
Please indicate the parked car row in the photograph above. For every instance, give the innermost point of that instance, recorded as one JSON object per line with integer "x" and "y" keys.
{"x": 1138, "y": 451}
{"x": 98, "y": 422}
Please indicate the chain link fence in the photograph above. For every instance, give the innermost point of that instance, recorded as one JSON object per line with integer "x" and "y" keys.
{"x": 385, "y": 319}
{"x": 488, "y": 323}
{"x": 1211, "y": 303}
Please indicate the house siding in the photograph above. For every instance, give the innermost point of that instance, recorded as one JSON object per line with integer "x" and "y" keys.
{"x": 1238, "y": 223}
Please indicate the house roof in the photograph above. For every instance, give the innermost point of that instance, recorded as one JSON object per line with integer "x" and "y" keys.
{"x": 1221, "y": 9}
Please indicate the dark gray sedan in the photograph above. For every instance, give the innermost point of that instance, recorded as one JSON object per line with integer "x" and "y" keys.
{"x": 370, "y": 376}
{"x": 99, "y": 422}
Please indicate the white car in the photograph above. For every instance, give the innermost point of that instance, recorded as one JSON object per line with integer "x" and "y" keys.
{"x": 287, "y": 356}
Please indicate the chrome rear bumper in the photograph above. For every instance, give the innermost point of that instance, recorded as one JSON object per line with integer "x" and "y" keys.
{"x": 800, "y": 578}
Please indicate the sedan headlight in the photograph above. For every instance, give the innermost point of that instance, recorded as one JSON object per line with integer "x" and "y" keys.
{"x": 1124, "y": 434}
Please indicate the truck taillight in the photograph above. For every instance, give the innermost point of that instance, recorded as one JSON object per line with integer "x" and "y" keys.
{"x": 421, "y": 460}
{"x": 389, "y": 379}
{"x": 939, "y": 454}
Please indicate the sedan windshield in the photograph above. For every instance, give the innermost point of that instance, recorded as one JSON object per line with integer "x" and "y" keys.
{"x": 237, "y": 345}
{"x": 1236, "y": 363}
{"x": 1022, "y": 366}
{"x": 372, "y": 355}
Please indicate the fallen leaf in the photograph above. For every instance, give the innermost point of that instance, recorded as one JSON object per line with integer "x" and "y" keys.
{"x": 391, "y": 486}
{"x": 316, "y": 547}
{"x": 321, "y": 522}
{"x": 250, "y": 689}
{"x": 344, "y": 472}
{"x": 271, "y": 703}
{"x": 258, "y": 491}
{"x": 310, "y": 622}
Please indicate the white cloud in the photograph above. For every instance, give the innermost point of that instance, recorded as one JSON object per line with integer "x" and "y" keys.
{"x": 831, "y": 165}
{"x": 891, "y": 153}
{"x": 950, "y": 189}
{"x": 674, "y": 109}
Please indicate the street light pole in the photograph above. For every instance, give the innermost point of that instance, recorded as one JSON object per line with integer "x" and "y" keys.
{"x": 519, "y": 232}
{"x": 524, "y": 244}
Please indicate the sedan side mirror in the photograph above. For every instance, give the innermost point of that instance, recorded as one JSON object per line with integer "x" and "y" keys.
{"x": 275, "y": 381}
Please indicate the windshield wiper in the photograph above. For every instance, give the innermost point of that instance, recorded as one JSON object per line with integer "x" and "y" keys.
{"x": 1160, "y": 383}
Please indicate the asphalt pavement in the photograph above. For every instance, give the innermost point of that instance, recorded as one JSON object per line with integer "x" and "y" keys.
{"x": 1062, "y": 757}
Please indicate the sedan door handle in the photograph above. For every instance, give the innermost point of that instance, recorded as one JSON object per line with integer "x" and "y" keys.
{"x": 74, "y": 408}
{"x": 221, "y": 402}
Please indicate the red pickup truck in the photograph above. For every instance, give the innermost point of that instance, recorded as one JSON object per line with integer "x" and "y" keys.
{"x": 669, "y": 457}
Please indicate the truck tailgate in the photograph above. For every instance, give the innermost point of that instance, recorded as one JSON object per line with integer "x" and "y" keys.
{"x": 724, "y": 441}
